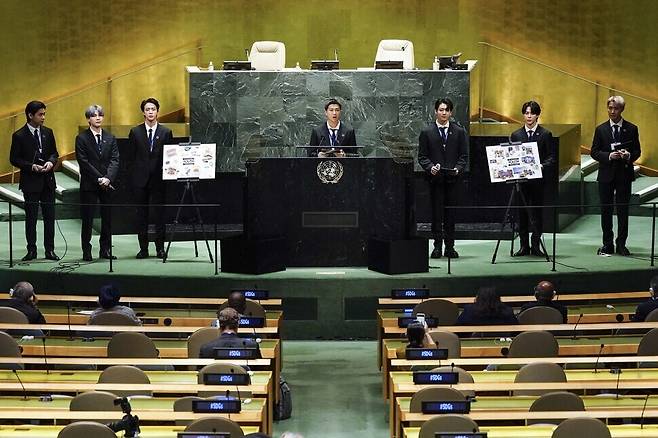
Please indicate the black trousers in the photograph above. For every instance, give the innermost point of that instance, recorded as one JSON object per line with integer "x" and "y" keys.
{"x": 533, "y": 193}
{"x": 151, "y": 199}
{"x": 46, "y": 199}
{"x": 444, "y": 194}
{"x": 617, "y": 192}
{"x": 88, "y": 201}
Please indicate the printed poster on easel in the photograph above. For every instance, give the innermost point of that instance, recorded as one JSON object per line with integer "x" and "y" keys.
{"x": 513, "y": 161}
{"x": 189, "y": 161}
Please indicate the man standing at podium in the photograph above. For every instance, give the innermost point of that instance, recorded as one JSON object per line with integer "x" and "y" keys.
{"x": 616, "y": 146}
{"x": 331, "y": 134}
{"x": 533, "y": 189}
{"x": 443, "y": 154}
{"x": 145, "y": 149}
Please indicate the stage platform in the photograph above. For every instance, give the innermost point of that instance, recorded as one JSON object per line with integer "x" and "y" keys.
{"x": 333, "y": 303}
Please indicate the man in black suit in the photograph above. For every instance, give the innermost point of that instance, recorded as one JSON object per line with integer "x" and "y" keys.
{"x": 645, "y": 308}
{"x": 145, "y": 148}
{"x": 443, "y": 153}
{"x": 34, "y": 152}
{"x": 98, "y": 156}
{"x": 616, "y": 146}
{"x": 533, "y": 189}
{"x": 228, "y": 326}
{"x": 331, "y": 134}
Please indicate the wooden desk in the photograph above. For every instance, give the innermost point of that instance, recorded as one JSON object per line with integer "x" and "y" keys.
{"x": 107, "y": 361}
{"x": 617, "y": 431}
{"x": 184, "y": 301}
{"x": 80, "y": 330}
{"x": 31, "y": 431}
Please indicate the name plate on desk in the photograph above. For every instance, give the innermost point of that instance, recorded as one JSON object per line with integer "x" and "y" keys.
{"x": 236, "y": 353}
{"x": 445, "y": 407}
{"x": 435, "y": 378}
{"x": 254, "y": 294}
{"x": 426, "y": 353}
{"x": 221, "y": 406}
{"x": 460, "y": 435}
{"x": 251, "y": 322}
{"x": 404, "y": 321}
{"x": 225, "y": 379}
{"x": 410, "y": 293}
{"x": 204, "y": 435}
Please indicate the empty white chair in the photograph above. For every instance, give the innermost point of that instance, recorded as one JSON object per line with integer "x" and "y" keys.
{"x": 268, "y": 55}
{"x": 396, "y": 50}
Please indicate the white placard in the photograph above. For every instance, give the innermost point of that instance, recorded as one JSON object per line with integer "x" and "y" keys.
{"x": 194, "y": 161}
{"x": 513, "y": 161}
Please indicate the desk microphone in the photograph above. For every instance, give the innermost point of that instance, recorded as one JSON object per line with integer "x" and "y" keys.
{"x": 646, "y": 399}
{"x": 618, "y": 372}
{"x": 25, "y": 392}
{"x": 45, "y": 355}
{"x": 576, "y": 326}
{"x": 598, "y": 356}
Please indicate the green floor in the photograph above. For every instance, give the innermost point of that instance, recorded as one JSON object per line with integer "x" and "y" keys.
{"x": 336, "y": 390}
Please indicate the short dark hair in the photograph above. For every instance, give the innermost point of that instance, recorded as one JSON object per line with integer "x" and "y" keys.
{"x": 237, "y": 301}
{"x": 332, "y": 102}
{"x": 544, "y": 291}
{"x": 534, "y": 107}
{"x": 33, "y": 107}
{"x": 228, "y": 319}
{"x": 445, "y": 100}
{"x": 152, "y": 100}
{"x": 415, "y": 334}
{"x": 109, "y": 296}
{"x": 653, "y": 284}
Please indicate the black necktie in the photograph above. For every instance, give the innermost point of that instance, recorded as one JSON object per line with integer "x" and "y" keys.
{"x": 151, "y": 139}
{"x": 530, "y": 135}
{"x": 332, "y": 135}
{"x": 38, "y": 139}
{"x": 615, "y": 133}
{"x": 444, "y": 136}
{"x": 98, "y": 142}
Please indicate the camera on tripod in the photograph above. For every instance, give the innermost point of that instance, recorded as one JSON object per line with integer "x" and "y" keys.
{"x": 129, "y": 423}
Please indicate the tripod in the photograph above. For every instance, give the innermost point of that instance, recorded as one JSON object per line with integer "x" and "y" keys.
{"x": 509, "y": 218}
{"x": 189, "y": 188}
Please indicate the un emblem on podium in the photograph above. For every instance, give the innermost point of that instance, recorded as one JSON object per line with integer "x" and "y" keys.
{"x": 330, "y": 172}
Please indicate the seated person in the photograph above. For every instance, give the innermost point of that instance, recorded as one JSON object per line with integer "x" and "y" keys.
{"x": 228, "y": 338}
{"x": 332, "y": 134}
{"x": 24, "y": 299}
{"x": 237, "y": 301}
{"x": 487, "y": 310}
{"x": 417, "y": 337}
{"x": 544, "y": 294}
{"x": 643, "y": 309}
{"x": 108, "y": 299}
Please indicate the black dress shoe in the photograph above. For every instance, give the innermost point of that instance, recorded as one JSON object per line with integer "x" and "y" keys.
{"x": 451, "y": 253}
{"x": 623, "y": 251}
{"x": 523, "y": 251}
{"x": 537, "y": 251}
{"x": 160, "y": 254}
{"x": 105, "y": 254}
{"x": 31, "y": 255}
{"x": 86, "y": 256}
{"x": 606, "y": 249}
{"x": 50, "y": 255}
{"x": 142, "y": 254}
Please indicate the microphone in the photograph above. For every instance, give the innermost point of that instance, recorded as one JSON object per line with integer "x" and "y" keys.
{"x": 68, "y": 320}
{"x": 336, "y": 54}
{"x": 25, "y": 392}
{"x": 45, "y": 355}
{"x": 246, "y": 53}
{"x": 598, "y": 356}
{"x": 616, "y": 371}
{"x": 646, "y": 399}
{"x": 576, "y": 326}
{"x": 504, "y": 351}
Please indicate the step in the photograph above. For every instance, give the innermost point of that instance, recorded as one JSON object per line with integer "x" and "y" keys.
{"x": 71, "y": 168}
{"x": 11, "y": 193}
{"x": 17, "y": 213}
{"x": 67, "y": 189}
{"x": 588, "y": 164}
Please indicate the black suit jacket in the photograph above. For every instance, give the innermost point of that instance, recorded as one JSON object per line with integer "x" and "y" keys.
{"x": 25, "y": 151}
{"x": 601, "y": 149}
{"x": 226, "y": 340}
{"x": 644, "y": 309}
{"x": 320, "y": 137}
{"x": 454, "y": 154}
{"x": 545, "y": 144}
{"x": 147, "y": 165}
{"x": 94, "y": 165}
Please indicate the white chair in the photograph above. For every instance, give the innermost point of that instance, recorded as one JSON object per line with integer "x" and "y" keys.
{"x": 396, "y": 50}
{"x": 268, "y": 55}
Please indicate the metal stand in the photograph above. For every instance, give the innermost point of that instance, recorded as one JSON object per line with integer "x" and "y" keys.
{"x": 189, "y": 188}
{"x": 509, "y": 218}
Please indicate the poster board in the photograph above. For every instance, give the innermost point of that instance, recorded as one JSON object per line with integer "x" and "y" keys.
{"x": 513, "y": 161}
{"x": 188, "y": 161}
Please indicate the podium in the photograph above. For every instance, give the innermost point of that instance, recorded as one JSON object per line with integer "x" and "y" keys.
{"x": 327, "y": 210}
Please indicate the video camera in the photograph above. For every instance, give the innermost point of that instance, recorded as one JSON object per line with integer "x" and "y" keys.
{"x": 129, "y": 423}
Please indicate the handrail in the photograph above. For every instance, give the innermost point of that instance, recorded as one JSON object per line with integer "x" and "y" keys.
{"x": 573, "y": 75}
{"x": 158, "y": 59}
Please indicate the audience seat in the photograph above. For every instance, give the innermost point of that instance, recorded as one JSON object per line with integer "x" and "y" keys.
{"x": 125, "y": 374}
{"x": 556, "y": 401}
{"x": 396, "y": 50}
{"x": 268, "y": 55}
{"x": 445, "y": 311}
{"x": 86, "y": 429}
{"x": 581, "y": 427}
{"x": 539, "y": 372}
{"x": 215, "y": 424}
{"x": 447, "y": 423}
{"x": 540, "y": 315}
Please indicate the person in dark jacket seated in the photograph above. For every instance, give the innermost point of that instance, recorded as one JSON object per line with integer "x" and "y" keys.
{"x": 108, "y": 300}
{"x": 236, "y": 300}
{"x": 487, "y": 310}
{"x": 645, "y": 308}
{"x": 544, "y": 294}
{"x": 228, "y": 338}
{"x": 418, "y": 337}
{"x": 24, "y": 299}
